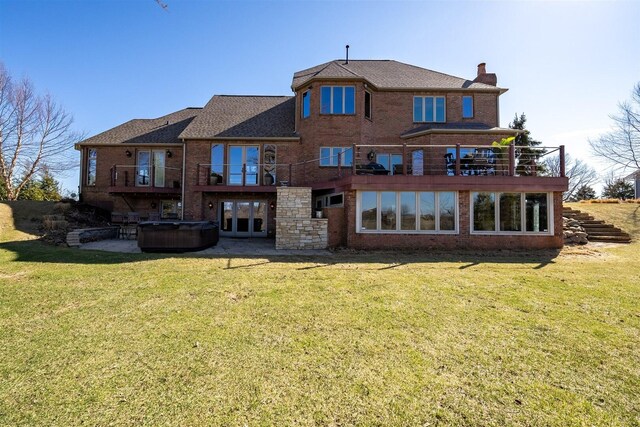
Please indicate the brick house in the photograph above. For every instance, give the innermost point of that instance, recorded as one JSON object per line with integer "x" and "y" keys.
{"x": 393, "y": 154}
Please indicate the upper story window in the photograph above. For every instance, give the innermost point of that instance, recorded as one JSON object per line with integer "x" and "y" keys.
{"x": 217, "y": 162}
{"x": 429, "y": 109}
{"x": 306, "y": 104}
{"x": 92, "y": 166}
{"x": 329, "y": 156}
{"x": 467, "y": 107}
{"x": 367, "y": 105}
{"x": 337, "y": 100}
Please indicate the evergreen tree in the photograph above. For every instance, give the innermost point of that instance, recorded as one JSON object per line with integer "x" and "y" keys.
{"x": 46, "y": 188}
{"x": 584, "y": 193}
{"x": 527, "y": 157}
{"x": 50, "y": 187}
{"x": 617, "y": 189}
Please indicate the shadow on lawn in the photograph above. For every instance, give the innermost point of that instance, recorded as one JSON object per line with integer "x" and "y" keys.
{"x": 37, "y": 251}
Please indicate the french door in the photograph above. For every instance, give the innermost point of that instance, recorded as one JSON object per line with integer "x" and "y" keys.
{"x": 144, "y": 170}
{"x": 240, "y": 218}
{"x": 244, "y": 164}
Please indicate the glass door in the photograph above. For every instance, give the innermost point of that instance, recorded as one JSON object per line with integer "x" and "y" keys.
{"x": 244, "y": 164}
{"x": 243, "y": 218}
{"x": 158, "y": 168}
{"x": 143, "y": 169}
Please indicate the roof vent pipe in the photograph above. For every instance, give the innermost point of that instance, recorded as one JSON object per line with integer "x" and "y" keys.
{"x": 347, "y": 60}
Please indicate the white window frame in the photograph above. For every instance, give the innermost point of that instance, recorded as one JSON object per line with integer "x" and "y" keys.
{"x": 424, "y": 110}
{"x": 333, "y": 157}
{"x": 523, "y": 215}
{"x": 344, "y": 100}
{"x": 398, "y": 229}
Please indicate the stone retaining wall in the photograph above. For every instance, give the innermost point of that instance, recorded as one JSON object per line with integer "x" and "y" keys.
{"x": 295, "y": 229}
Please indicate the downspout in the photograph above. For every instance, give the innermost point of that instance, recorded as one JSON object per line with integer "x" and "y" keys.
{"x": 81, "y": 174}
{"x": 184, "y": 175}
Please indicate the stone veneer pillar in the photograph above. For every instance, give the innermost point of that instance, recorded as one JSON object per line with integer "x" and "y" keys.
{"x": 295, "y": 229}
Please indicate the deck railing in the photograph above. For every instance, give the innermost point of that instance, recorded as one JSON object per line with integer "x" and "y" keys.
{"x": 145, "y": 176}
{"x": 398, "y": 159}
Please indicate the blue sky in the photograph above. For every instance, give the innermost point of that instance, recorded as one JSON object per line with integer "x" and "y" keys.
{"x": 566, "y": 64}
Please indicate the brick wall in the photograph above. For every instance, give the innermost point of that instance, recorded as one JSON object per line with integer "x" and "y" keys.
{"x": 107, "y": 157}
{"x": 295, "y": 229}
{"x": 463, "y": 240}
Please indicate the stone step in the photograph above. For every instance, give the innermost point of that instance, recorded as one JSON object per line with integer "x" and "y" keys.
{"x": 593, "y": 229}
{"x": 612, "y": 239}
{"x": 73, "y": 239}
{"x": 606, "y": 233}
{"x": 597, "y": 230}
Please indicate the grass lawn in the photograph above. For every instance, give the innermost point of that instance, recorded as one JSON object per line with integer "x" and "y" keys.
{"x": 421, "y": 339}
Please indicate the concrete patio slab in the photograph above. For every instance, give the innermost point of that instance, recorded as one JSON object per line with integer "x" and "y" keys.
{"x": 225, "y": 246}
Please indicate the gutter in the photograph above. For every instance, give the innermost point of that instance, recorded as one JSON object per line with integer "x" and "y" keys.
{"x": 184, "y": 177}
{"x": 241, "y": 138}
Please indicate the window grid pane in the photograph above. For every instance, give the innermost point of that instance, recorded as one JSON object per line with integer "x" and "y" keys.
{"x": 536, "y": 212}
{"x": 407, "y": 210}
{"x": 325, "y": 100}
{"x": 337, "y": 100}
{"x": 349, "y": 100}
{"x": 447, "y": 209}
{"x": 428, "y": 109}
{"x": 484, "y": 212}
{"x": 510, "y": 212}
{"x": 439, "y": 109}
{"x": 369, "y": 209}
{"x": 417, "y": 109}
{"x": 427, "y": 211}
{"x": 388, "y": 210}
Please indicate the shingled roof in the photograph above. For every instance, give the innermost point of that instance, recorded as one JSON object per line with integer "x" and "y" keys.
{"x": 227, "y": 116}
{"x": 387, "y": 74}
{"x": 165, "y": 129}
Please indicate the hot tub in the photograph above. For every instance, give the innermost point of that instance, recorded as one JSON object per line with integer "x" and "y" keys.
{"x": 180, "y": 236}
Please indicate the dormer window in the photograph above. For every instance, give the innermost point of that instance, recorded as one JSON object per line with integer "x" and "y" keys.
{"x": 337, "y": 100}
{"x": 429, "y": 109}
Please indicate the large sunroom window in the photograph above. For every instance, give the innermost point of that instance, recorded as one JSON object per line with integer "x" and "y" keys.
{"x": 510, "y": 213}
{"x": 407, "y": 211}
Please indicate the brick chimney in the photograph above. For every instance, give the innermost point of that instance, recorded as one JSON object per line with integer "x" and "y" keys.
{"x": 484, "y": 77}
{"x": 482, "y": 68}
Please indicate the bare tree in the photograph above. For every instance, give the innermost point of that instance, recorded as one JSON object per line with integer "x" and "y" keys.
{"x": 35, "y": 133}
{"x": 580, "y": 174}
{"x": 621, "y": 146}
